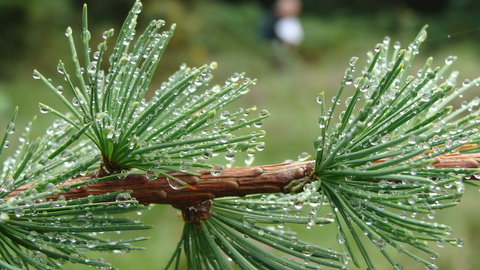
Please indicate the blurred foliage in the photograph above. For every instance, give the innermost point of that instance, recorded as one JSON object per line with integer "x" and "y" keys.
{"x": 32, "y": 36}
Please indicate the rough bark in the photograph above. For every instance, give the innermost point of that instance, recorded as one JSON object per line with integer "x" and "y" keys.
{"x": 237, "y": 181}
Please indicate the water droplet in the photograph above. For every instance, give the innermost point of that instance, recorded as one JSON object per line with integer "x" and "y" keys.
{"x": 308, "y": 250}
{"x": 185, "y": 165}
{"x": 49, "y": 187}
{"x": 412, "y": 199}
{"x": 92, "y": 243}
{"x": 460, "y": 242}
{"x": 353, "y": 60}
{"x": 4, "y": 217}
{"x": 137, "y": 7}
{"x": 318, "y": 143}
{"x": 249, "y": 160}
{"x": 322, "y": 121}
{"x": 397, "y": 45}
{"x": 66, "y": 154}
{"x": 422, "y": 36}
{"x": 122, "y": 199}
{"x": 261, "y": 232}
{"x": 60, "y": 68}
{"x": 235, "y": 77}
{"x": 217, "y": 170}
{"x": 258, "y": 124}
{"x": 247, "y": 224}
{"x": 36, "y": 74}
{"x": 44, "y": 109}
{"x": 10, "y": 128}
{"x": 101, "y": 115}
{"x": 75, "y": 101}
{"x": 320, "y": 98}
{"x": 303, "y": 156}
{"x": 68, "y": 32}
{"x": 229, "y": 156}
{"x": 380, "y": 243}
{"x": 441, "y": 243}
{"x": 449, "y": 60}
{"x": 151, "y": 175}
{"x": 174, "y": 184}
{"x": 86, "y": 35}
{"x": 19, "y": 212}
{"x": 213, "y": 65}
{"x": 340, "y": 239}
{"x": 260, "y": 146}
{"x": 264, "y": 113}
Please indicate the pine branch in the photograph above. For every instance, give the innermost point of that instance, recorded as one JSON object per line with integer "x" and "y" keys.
{"x": 236, "y": 181}
{"x": 397, "y": 149}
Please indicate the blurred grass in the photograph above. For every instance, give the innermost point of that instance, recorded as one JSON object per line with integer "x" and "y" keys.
{"x": 227, "y": 33}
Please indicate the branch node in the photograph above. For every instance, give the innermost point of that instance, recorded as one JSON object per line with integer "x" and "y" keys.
{"x": 297, "y": 185}
{"x": 198, "y": 213}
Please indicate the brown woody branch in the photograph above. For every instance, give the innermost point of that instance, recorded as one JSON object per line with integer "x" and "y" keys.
{"x": 232, "y": 182}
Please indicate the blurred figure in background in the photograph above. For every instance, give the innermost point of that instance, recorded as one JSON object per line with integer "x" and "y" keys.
{"x": 281, "y": 26}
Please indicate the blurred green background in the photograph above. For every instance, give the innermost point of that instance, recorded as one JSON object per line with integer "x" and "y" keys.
{"x": 32, "y": 36}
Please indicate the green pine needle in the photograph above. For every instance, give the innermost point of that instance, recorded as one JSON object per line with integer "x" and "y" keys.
{"x": 375, "y": 166}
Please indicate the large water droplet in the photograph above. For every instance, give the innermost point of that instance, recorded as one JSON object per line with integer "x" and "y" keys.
{"x": 174, "y": 184}
{"x": 260, "y": 146}
{"x": 422, "y": 36}
{"x": 217, "y": 170}
{"x": 264, "y": 113}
